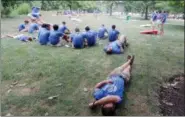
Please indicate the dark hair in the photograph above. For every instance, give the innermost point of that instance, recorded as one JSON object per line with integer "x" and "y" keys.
{"x": 44, "y": 25}
{"x": 108, "y": 111}
{"x": 109, "y": 52}
{"x": 77, "y": 30}
{"x": 87, "y": 28}
{"x": 64, "y": 23}
{"x": 164, "y": 11}
{"x": 113, "y": 26}
{"x": 26, "y": 21}
{"x": 159, "y": 11}
{"x": 102, "y": 25}
{"x": 30, "y": 39}
{"x": 55, "y": 27}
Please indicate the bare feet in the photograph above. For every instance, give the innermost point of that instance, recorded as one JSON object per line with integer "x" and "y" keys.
{"x": 132, "y": 59}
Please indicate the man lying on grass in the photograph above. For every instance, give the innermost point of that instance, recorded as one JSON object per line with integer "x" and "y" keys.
{"x": 109, "y": 93}
{"x": 116, "y": 47}
{"x": 21, "y": 37}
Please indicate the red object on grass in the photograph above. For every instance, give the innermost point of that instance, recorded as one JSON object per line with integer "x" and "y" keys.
{"x": 155, "y": 32}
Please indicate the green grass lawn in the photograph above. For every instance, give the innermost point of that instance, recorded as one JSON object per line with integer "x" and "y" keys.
{"x": 43, "y": 67}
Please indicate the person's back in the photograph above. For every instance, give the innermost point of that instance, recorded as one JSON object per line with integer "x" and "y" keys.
{"x": 21, "y": 27}
{"x": 54, "y": 37}
{"x": 154, "y": 16}
{"x": 33, "y": 27}
{"x": 90, "y": 36}
{"x": 113, "y": 34}
{"x": 43, "y": 35}
{"x": 62, "y": 28}
{"x": 77, "y": 40}
{"x": 101, "y": 32}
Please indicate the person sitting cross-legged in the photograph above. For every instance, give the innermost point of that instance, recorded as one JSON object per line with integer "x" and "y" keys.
{"x": 116, "y": 47}
{"x": 102, "y": 31}
{"x": 55, "y": 35}
{"x": 77, "y": 39}
{"x": 110, "y": 92}
{"x": 113, "y": 34}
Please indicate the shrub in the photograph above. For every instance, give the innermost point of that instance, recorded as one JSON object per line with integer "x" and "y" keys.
{"x": 23, "y": 8}
{"x": 13, "y": 13}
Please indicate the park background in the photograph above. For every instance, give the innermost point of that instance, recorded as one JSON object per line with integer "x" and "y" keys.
{"x": 43, "y": 71}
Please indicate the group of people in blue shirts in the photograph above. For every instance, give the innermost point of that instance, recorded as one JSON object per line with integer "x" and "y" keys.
{"x": 159, "y": 18}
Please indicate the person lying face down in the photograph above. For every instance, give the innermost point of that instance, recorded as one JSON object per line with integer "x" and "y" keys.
{"x": 113, "y": 34}
{"x": 22, "y": 37}
{"x": 116, "y": 47}
{"x": 77, "y": 39}
{"x": 24, "y": 27}
{"x": 90, "y": 37}
{"x": 110, "y": 92}
{"x": 55, "y": 35}
{"x": 43, "y": 35}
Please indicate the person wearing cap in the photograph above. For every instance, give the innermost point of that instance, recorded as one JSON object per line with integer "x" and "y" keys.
{"x": 113, "y": 34}
{"x": 117, "y": 46}
{"x": 77, "y": 39}
{"x": 55, "y": 35}
{"x": 90, "y": 37}
{"x": 101, "y": 32}
{"x": 44, "y": 33}
{"x": 24, "y": 27}
{"x": 109, "y": 93}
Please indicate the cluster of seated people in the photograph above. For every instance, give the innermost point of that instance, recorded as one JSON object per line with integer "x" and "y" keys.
{"x": 49, "y": 34}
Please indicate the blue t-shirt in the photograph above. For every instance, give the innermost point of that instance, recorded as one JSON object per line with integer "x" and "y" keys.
{"x": 116, "y": 49}
{"x": 23, "y": 38}
{"x": 113, "y": 35}
{"x": 35, "y": 10}
{"x": 116, "y": 88}
{"x": 154, "y": 17}
{"x": 101, "y": 32}
{"x": 21, "y": 27}
{"x": 54, "y": 37}
{"x": 77, "y": 40}
{"x": 90, "y": 36}
{"x": 33, "y": 27}
{"x": 163, "y": 17}
{"x": 62, "y": 29}
{"x": 43, "y": 36}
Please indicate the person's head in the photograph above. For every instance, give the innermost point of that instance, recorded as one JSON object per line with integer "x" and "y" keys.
{"x": 108, "y": 109}
{"x": 26, "y": 21}
{"x": 109, "y": 50}
{"x": 33, "y": 20}
{"x": 64, "y": 23}
{"x": 87, "y": 28}
{"x": 30, "y": 39}
{"x": 102, "y": 25}
{"x": 77, "y": 30}
{"x": 164, "y": 11}
{"x": 55, "y": 27}
{"x": 113, "y": 26}
{"x": 159, "y": 11}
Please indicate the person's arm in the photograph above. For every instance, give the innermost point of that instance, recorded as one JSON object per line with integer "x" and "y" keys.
{"x": 24, "y": 30}
{"x": 100, "y": 84}
{"x": 107, "y": 99}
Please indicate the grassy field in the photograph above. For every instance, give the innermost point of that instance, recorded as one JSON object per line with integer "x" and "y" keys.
{"x": 43, "y": 67}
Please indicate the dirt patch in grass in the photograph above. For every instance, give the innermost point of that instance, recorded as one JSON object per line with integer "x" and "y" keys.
{"x": 172, "y": 97}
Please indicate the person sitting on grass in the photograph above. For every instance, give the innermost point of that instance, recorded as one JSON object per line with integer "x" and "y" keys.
{"x": 90, "y": 37}
{"x": 109, "y": 93}
{"x": 21, "y": 37}
{"x": 44, "y": 33}
{"x": 33, "y": 26}
{"x": 65, "y": 31}
{"x": 77, "y": 39}
{"x": 113, "y": 34}
{"x": 24, "y": 27}
{"x": 117, "y": 46}
{"x": 54, "y": 37}
{"x": 101, "y": 32}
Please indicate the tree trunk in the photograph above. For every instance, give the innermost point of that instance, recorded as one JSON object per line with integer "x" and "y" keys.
{"x": 111, "y": 9}
{"x": 146, "y": 13}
